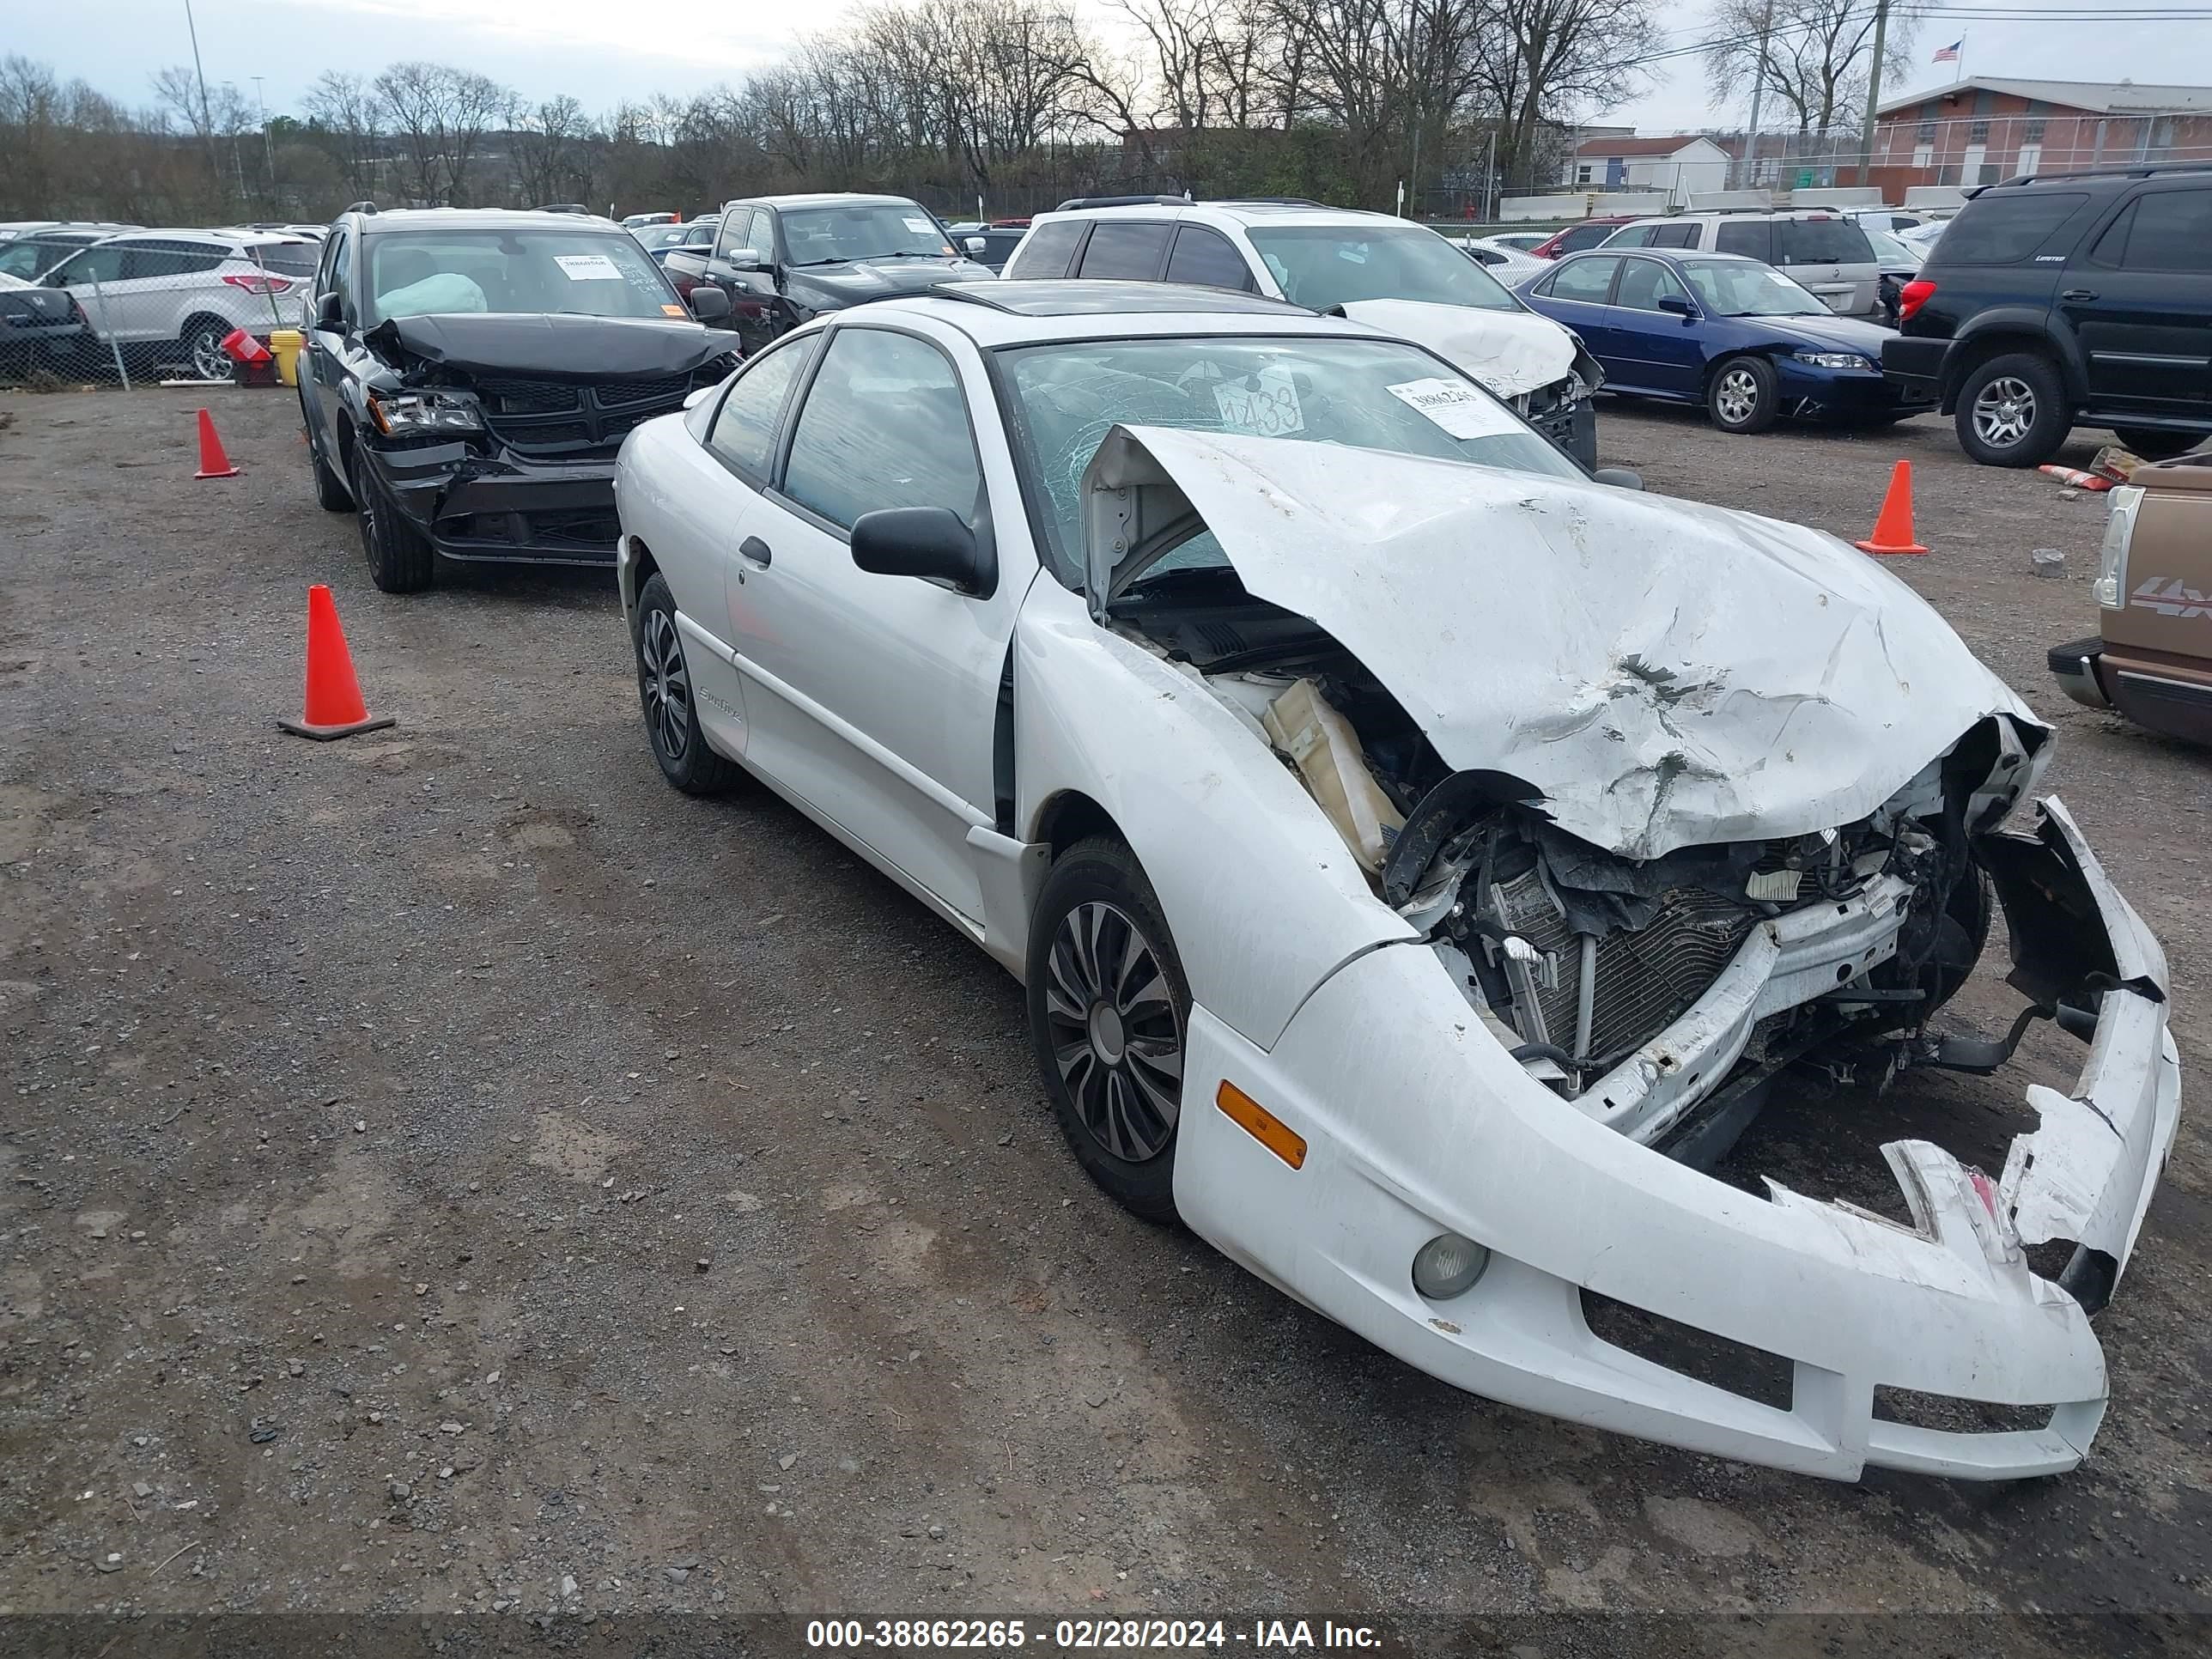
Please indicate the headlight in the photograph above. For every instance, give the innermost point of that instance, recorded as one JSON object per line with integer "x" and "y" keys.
{"x": 1833, "y": 359}
{"x": 399, "y": 412}
{"x": 2112, "y": 558}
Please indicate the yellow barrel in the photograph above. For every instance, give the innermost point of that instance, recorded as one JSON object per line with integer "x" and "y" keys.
{"x": 286, "y": 343}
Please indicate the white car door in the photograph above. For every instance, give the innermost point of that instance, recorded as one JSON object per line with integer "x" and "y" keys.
{"x": 875, "y": 699}
{"x": 703, "y": 507}
{"x": 95, "y": 279}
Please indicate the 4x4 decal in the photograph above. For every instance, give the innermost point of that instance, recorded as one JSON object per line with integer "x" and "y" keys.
{"x": 2167, "y": 596}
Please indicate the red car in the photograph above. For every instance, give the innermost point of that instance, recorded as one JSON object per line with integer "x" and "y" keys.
{"x": 1576, "y": 237}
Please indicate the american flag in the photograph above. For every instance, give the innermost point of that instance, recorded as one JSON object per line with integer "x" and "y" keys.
{"x": 1948, "y": 54}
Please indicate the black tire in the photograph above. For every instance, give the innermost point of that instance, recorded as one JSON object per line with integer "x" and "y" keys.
{"x": 1113, "y": 1078}
{"x": 330, "y": 493}
{"x": 1742, "y": 395}
{"x": 400, "y": 558}
{"x": 669, "y": 703}
{"x": 2156, "y": 443}
{"x": 201, "y": 347}
{"x": 2012, "y": 411}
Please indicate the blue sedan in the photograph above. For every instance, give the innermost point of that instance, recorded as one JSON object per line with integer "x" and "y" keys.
{"x": 1720, "y": 329}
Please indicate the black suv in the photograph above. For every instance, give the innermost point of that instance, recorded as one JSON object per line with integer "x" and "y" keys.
{"x": 2071, "y": 298}
{"x": 783, "y": 259}
{"x": 469, "y": 374}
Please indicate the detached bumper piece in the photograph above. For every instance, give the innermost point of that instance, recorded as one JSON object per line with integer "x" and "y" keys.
{"x": 1931, "y": 1345}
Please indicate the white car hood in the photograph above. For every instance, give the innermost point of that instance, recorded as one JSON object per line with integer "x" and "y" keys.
{"x": 1509, "y": 351}
{"x": 1663, "y": 674}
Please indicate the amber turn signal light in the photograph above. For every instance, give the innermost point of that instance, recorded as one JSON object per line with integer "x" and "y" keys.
{"x": 1263, "y": 1125}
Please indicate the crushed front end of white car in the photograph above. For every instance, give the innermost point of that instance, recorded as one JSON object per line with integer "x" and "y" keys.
{"x": 1669, "y": 806}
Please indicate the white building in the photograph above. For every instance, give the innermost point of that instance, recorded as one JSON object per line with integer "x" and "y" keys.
{"x": 1680, "y": 166}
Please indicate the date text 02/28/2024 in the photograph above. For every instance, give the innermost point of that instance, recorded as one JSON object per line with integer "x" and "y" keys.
{"x": 1259, "y": 1636}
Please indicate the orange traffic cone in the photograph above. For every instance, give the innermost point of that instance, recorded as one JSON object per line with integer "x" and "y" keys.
{"x": 334, "y": 707}
{"x": 214, "y": 463}
{"x": 1892, "y": 525}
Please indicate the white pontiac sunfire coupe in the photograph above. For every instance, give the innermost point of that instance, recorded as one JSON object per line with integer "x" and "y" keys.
{"x": 1423, "y": 859}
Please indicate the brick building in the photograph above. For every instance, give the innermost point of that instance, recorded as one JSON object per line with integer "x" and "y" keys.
{"x": 1985, "y": 129}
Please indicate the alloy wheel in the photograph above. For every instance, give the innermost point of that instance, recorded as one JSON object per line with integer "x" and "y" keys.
{"x": 209, "y": 362}
{"x": 1736, "y": 395}
{"x": 2004, "y": 411}
{"x": 666, "y": 683}
{"x": 1116, "y": 1036}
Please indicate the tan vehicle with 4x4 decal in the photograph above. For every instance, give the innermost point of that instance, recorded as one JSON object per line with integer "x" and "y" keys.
{"x": 2152, "y": 660}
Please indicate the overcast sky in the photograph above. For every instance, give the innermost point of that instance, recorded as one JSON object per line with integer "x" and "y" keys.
{"x": 605, "y": 52}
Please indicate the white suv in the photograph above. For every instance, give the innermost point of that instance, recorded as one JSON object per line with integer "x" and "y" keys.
{"x": 1401, "y": 277}
{"x": 1819, "y": 248}
{"x": 172, "y": 295}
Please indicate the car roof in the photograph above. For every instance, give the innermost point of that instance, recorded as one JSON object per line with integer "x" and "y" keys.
{"x": 1000, "y": 314}
{"x": 1746, "y": 214}
{"x": 822, "y": 198}
{"x": 202, "y": 233}
{"x": 480, "y": 219}
{"x": 1673, "y": 256}
{"x": 1239, "y": 213}
{"x": 1092, "y": 298}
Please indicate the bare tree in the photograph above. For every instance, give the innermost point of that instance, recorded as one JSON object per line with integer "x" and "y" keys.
{"x": 1813, "y": 55}
{"x": 347, "y": 117}
{"x": 1543, "y": 59}
{"x": 439, "y": 116}
{"x": 550, "y": 148}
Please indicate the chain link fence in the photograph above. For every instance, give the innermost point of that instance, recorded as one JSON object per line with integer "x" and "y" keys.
{"x": 140, "y": 308}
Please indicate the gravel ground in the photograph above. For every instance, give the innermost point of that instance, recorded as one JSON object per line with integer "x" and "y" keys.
{"x": 448, "y": 1169}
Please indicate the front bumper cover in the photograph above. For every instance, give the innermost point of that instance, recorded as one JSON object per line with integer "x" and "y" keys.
{"x": 1418, "y": 1123}
{"x": 501, "y": 506}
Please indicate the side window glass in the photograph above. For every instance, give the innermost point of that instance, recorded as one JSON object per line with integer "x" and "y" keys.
{"x": 2111, "y": 249}
{"x": 103, "y": 264}
{"x": 1208, "y": 259}
{"x": 1634, "y": 236}
{"x": 1684, "y": 235}
{"x": 2173, "y": 232}
{"x": 745, "y": 426}
{"x": 883, "y": 425}
{"x": 1048, "y": 250}
{"x": 1127, "y": 251}
{"x": 1643, "y": 282}
{"x": 1755, "y": 240}
{"x": 341, "y": 270}
{"x": 1586, "y": 280}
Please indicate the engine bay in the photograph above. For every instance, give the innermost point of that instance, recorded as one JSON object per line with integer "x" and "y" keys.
{"x": 1661, "y": 995}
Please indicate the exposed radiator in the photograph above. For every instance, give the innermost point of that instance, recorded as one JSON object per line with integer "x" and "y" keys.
{"x": 1645, "y": 979}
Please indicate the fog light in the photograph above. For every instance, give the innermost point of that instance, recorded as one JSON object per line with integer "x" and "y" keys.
{"x": 1447, "y": 1266}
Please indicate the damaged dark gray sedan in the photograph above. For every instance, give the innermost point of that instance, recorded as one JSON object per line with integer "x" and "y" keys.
{"x": 469, "y": 375}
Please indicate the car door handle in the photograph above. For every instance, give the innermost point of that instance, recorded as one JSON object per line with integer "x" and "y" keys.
{"x": 2078, "y": 293}
{"x": 757, "y": 550}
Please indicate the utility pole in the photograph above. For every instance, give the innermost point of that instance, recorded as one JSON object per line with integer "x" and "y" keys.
{"x": 268, "y": 144}
{"x": 206, "y": 121}
{"x": 1757, "y": 91}
{"x": 1873, "y": 89}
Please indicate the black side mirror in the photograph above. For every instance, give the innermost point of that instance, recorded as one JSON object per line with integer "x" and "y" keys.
{"x": 1618, "y": 476}
{"x": 931, "y": 542}
{"x": 1675, "y": 305}
{"x": 709, "y": 303}
{"x": 329, "y": 313}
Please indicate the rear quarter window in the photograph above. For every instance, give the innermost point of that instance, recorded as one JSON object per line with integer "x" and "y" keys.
{"x": 1048, "y": 249}
{"x": 2003, "y": 229}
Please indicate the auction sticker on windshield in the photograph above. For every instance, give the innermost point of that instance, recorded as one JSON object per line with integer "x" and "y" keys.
{"x": 921, "y": 227}
{"x": 1460, "y": 409}
{"x": 1263, "y": 405}
{"x": 588, "y": 267}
